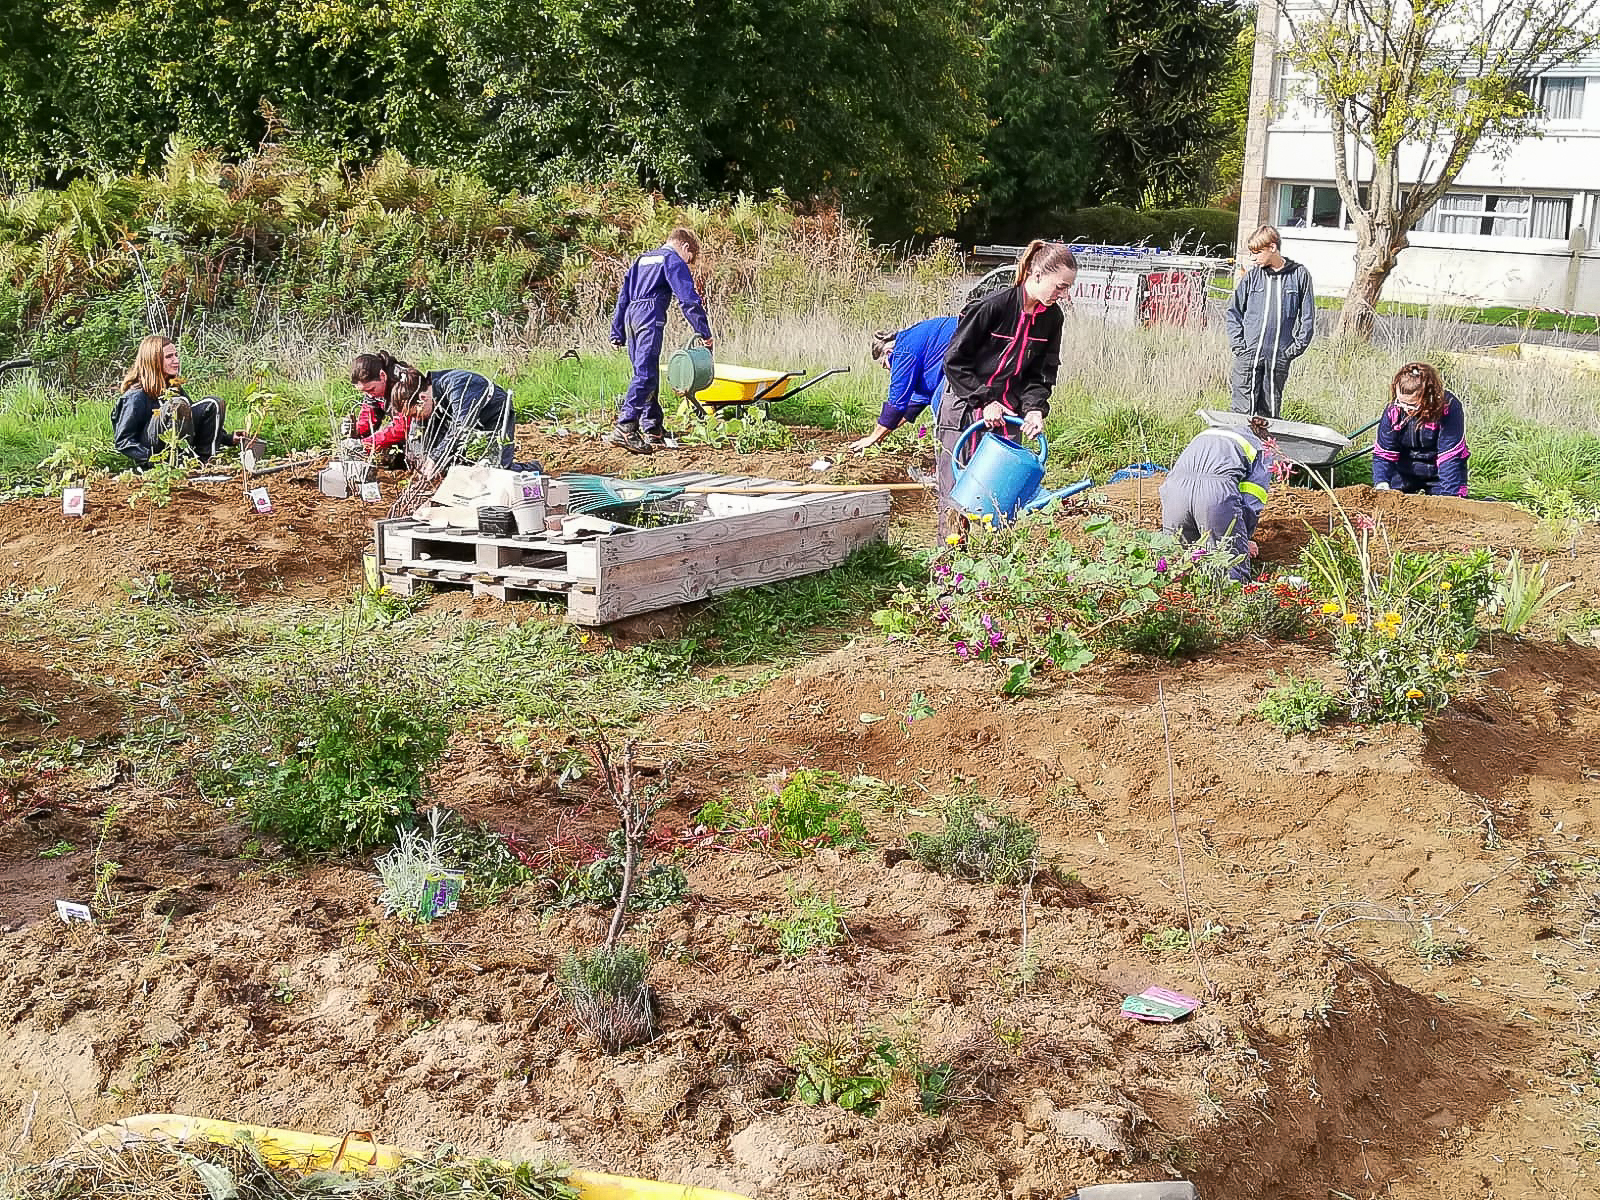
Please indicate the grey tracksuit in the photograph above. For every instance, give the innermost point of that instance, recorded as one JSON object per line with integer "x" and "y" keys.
{"x": 1216, "y": 490}
{"x": 1270, "y": 323}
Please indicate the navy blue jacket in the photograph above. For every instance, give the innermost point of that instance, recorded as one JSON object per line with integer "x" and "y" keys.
{"x": 916, "y": 368}
{"x": 647, "y": 290}
{"x": 130, "y": 423}
{"x": 466, "y": 403}
{"x": 1423, "y": 456}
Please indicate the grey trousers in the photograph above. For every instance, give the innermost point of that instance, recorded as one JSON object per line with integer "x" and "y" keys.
{"x": 1256, "y": 387}
{"x": 1207, "y": 508}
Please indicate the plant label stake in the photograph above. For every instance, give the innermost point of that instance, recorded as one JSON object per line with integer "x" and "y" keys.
{"x": 259, "y": 498}
{"x": 441, "y": 894}
{"x": 370, "y": 492}
{"x": 72, "y": 502}
{"x": 70, "y": 912}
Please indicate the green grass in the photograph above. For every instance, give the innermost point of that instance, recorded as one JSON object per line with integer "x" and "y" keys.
{"x": 1493, "y": 314}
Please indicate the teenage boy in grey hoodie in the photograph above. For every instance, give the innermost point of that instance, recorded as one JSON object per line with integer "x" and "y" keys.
{"x": 1270, "y": 323}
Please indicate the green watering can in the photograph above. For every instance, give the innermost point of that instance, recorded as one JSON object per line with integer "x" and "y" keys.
{"x": 690, "y": 369}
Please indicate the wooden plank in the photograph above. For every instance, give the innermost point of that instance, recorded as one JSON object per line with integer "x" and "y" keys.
{"x": 676, "y": 539}
{"x": 613, "y": 603}
{"x": 802, "y": 543}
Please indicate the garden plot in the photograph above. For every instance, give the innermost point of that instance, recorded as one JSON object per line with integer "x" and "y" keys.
{"x": 1391, "y": 928}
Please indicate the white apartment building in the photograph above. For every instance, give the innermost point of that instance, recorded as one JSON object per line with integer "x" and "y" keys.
{"x": 1519, "y": 229}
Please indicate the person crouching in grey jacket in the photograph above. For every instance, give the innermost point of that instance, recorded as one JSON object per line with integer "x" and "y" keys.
{"x": 1270, "y": 323}
{"x": 1216, "y": 490}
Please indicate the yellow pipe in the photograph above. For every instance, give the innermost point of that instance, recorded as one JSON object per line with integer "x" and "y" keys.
{"x": 358, "y": 1151}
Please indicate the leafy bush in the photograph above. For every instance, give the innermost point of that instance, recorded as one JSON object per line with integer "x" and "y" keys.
{"x": 1402, "y": 621}
{"x": 607, "y": 993}
{"x": 1521, "y": 592}
{"x": 657, "y": 886}
{"x": 334, "y": 760}
{"x": 813, "y": 808}
{"x": 1025, "y": 595}
{"x": 1298, "y": 705}
{"x": 978, "y": 842}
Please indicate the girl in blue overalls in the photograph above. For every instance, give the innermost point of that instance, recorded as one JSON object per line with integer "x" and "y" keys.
{"x": 914, "y": 358}
{"x": 1422, "y": 437}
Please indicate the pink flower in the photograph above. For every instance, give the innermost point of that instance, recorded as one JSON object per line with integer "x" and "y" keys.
{"x": 922, "y": 432}
{"x": 1364, "y": 523}
{"x": 1161, "y": 566}
{"x": 961, "y": 649}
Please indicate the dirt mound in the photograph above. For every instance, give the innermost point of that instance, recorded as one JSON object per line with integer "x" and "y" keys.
{"x": 38, "y": 702}
{"x": 206, "y": 541}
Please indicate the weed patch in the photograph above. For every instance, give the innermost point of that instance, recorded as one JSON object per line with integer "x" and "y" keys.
{"x": 817, "y": 923}
{"x": 332, "y": 761}
{"x": 810, "y": 809}
{"x": 979, "y": 842}
{"x": 1298, "y": 705}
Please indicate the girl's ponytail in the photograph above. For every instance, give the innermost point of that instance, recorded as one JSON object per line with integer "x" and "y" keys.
{"x": 1026, "y": 264}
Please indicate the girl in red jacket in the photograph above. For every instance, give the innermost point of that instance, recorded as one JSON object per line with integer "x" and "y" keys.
{"x": 379, "y": 427}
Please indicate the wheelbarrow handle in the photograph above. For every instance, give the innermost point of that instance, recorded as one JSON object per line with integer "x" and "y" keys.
{"x": 761, "y": 396}
{"x": 812, "y": 382}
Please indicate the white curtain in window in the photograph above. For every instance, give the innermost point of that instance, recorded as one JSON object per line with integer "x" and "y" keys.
{"x": 1552, "y": 218}
{"x": 1562, "y": 99}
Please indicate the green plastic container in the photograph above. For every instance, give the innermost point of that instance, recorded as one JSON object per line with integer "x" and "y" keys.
{"x": 690, "y": 369}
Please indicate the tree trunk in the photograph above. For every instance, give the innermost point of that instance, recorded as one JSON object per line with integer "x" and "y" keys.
{"x": 1374, "y": 262}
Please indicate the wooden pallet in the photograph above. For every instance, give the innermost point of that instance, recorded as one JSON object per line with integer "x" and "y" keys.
{"x": 606, "y": 576}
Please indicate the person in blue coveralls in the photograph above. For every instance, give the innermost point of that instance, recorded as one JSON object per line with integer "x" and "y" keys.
{"x": 1217, "y": 489}
{"x": 638, "y": 321}
{"x": 456, "y": 416}
{"x": 1422, "y": 437}
{"x": 914, "y": 358}
{"x": 1270, "y": 322}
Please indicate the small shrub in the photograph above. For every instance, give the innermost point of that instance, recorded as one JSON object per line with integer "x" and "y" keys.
{"x": 1521, "y": 592}
{"x": 850, "y": 1074}
{"x": 816, "y": 924}
{"x": 1402, "y": 621}
{"x": 812, "y": 809}
{"x": 978, "y": 843}
{"x": 333, "y": 761}
{"x": 417, "y": 883}
{"x": 1298, "y": 705}
{"x": 608, "y": 995}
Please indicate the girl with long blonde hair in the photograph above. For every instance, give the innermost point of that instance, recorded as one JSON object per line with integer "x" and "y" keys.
{"x": 153, "y": 403}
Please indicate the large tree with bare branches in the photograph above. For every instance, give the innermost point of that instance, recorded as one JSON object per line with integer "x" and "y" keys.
{"x": 1413, "y": 88}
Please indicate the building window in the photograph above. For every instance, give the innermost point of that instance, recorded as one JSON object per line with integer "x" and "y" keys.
{"x": 1490, "y": 214}
{"x": 1561, "y": 99}
{"x": 1552, "y": 217}
{"x": 1303, "y": 205}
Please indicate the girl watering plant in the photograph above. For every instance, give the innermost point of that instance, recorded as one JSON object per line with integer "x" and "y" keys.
{"x": 1003, "y": 358}
{"x": 1422, "y": 437}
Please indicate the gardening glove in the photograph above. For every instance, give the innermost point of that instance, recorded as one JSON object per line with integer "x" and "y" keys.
{"x": 352, "y": 446}
{"x": 347, "y": 427}
{"x": 1380, "y": 487}
{"x": 1255, "y": 550}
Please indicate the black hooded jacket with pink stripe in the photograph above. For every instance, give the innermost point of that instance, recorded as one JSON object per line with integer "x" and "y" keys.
{"x": 1002, "y": 352}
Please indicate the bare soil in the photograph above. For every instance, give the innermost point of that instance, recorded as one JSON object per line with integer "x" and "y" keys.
{"x": 1398, "y": 986}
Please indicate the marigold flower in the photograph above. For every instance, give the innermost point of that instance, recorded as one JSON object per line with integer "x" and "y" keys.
{"x": 1330, "y": 608}
{"x": 953, "y": 540}
{"x": 1393, "y": 618}
{"x": 1413, "y": 694}
{"x": 1350, "y": 619}
{"x": 1446, "y": 586}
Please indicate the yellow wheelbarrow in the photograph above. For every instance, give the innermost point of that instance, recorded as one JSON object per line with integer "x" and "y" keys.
{"x": 738, "y": 387}
{"x": 354, "y": 1152}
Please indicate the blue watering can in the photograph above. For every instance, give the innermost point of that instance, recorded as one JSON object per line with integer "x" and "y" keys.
{"x": 1044, "y": 495}
{"x": 1000, "y": 476}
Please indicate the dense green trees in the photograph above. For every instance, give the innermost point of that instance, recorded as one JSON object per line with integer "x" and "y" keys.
{"x": 907, "y": 113}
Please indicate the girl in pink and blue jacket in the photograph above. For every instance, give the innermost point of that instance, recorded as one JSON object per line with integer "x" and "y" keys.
{"x": 1422, "y": 437}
